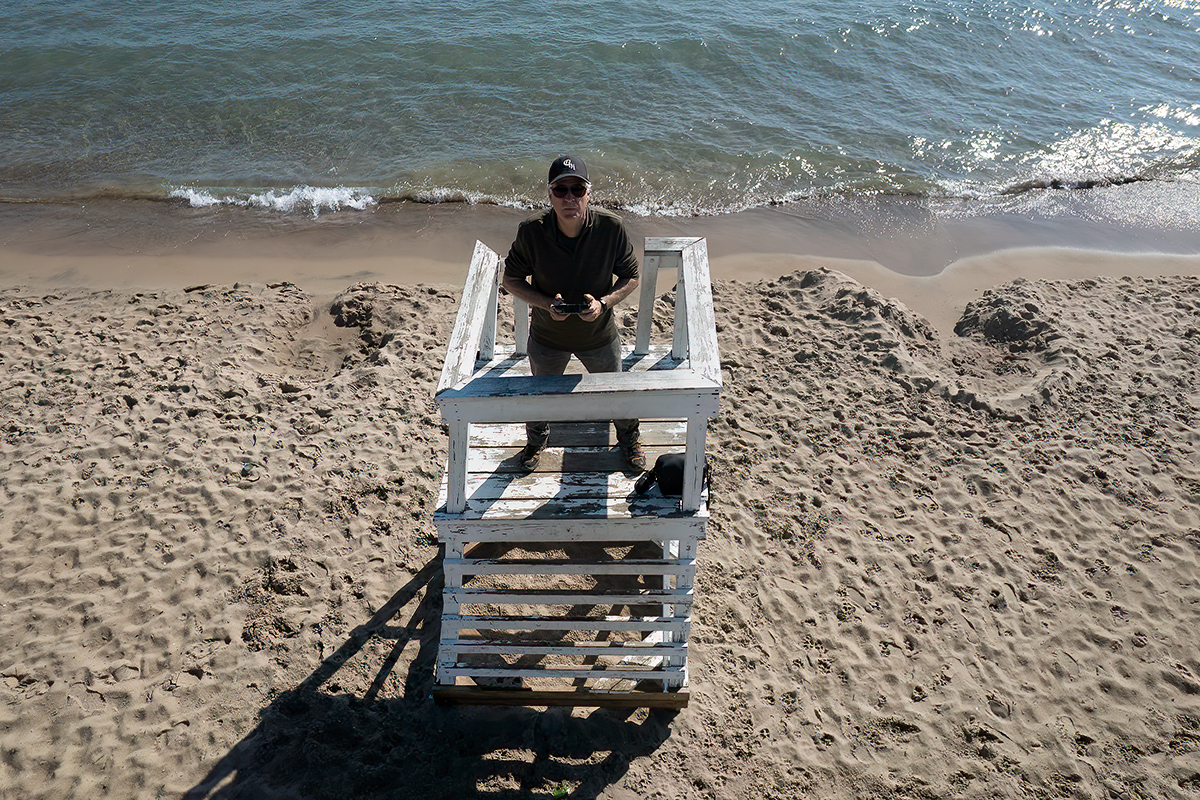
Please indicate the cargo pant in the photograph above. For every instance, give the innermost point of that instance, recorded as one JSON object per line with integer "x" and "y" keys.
{"x": 548, "y": 361}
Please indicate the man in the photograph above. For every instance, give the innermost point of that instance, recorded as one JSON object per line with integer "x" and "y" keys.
{"x": 572, "y": 264}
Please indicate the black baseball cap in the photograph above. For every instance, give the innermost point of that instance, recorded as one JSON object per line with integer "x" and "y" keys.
{"x": 568, "y": 167}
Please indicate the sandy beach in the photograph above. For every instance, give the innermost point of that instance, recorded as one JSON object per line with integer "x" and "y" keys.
{"x": 954, "y": 549}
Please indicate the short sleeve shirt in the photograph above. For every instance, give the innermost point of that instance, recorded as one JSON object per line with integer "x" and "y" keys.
{"x": 602, "y": 253}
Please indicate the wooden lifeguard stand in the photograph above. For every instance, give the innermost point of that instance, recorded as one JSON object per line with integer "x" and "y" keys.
{"x": 562, "y": 586}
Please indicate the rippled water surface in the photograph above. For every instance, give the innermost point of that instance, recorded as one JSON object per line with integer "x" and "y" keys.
{"x": 338, "y": 104}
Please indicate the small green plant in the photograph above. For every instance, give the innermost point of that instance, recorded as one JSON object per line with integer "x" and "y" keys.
{"x": 560, "y": 791}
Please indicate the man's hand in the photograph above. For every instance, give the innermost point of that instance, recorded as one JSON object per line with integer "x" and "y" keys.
{"x": 595, "y": 309}
{"x": 554, "y": 315}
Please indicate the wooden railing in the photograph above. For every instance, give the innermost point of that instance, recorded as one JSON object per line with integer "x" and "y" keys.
{"x": 471, "y": 390}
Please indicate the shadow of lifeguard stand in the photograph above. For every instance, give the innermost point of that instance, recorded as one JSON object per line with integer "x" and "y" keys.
{"x": 563, "y": 586}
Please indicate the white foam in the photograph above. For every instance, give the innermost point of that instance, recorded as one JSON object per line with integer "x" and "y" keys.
{"x": 198, "y": 199}
{"x": 303, "y": 198}
{"x": 314, "y": 199}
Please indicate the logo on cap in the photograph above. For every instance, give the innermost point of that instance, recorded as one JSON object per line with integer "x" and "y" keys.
{"x": 568, "y": 163}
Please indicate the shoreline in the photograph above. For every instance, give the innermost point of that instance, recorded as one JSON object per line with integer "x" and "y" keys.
{"x": 934, "y": 261}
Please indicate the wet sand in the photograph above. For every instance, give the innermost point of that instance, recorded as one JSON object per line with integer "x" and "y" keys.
{"x": 933, "y": 258}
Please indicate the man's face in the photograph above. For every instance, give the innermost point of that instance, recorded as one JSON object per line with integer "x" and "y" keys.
{"x": 567, "y": 204}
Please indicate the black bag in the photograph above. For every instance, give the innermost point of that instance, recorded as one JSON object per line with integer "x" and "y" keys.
{"x": 668, "y": 473}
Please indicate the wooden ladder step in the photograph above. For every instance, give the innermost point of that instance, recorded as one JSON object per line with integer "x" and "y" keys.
{"x": 546, "y": 623}
{"x": 633, "y": 672}
{"x": 668, "y": 433}
{"x": 463, "y": 595}
{"x": 465, "y": 647}
{"x": 579, "y": 698}
{"x": 487, "y": 510}
{"x": 555, "y": 566}
{"x": 563, "y": 531}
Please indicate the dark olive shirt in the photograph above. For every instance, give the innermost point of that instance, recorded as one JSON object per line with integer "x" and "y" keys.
{"x": 601, "y": 253}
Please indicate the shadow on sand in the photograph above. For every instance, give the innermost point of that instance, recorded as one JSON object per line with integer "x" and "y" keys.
{"x": 311, "y": 743}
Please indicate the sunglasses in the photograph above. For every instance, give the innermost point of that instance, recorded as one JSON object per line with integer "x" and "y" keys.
{"x": 577, "y": 189}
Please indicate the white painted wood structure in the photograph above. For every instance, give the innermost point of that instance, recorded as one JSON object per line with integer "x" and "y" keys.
{"x": 562, "y": 586}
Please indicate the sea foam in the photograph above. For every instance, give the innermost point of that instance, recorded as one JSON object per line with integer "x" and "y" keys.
{"x": 309, "y": 199}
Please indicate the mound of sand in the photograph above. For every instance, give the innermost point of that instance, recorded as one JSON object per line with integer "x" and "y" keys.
{"x": 936, "y": 568}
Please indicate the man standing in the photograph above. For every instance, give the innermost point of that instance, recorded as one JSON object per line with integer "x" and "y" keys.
{"x": 572, "y": 264}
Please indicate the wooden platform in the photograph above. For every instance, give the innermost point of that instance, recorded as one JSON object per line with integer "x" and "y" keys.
{"x": 581, "y": 476}
{"x": 562, "y": 585}
{"x": 564, "y": 576}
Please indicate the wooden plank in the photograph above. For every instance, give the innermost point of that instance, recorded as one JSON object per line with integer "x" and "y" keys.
{"x": 561, "y": 476}
{"x": 445, "y": 656}
{"x": 496, "y": 510}
{"x": 463, "y": 348}
{"x": 598, "y": 649}
{"x": 694, "y": 493}
{"x": 456, "y": 528}
{"x": 504, "y": 363}
{"x": 564, "y": 505}
{"x": 701, "y": 320}
{"x": 559, "y": 566}
{"x": 579, "y": 698}
{"x": 554, "y": 597}
{"x": 632, "y": 672}
{"x": 670, "y": 552}
{"x": 581, "y": 384}
{"x": 481, "y": 622}
{"x": 667, "y": 245}
{"x": 576, "y": 466}
{"x": 510, "y": 366}
{"x": 651, "y": 395}
{"x": 487, "y": 337}
{"x": 510, "y": 483}
{"x": 646, "y": 295}
{"x": 679, "y": 338}
{"x": 681, "y": 549}
{"x": 594, "y": 433}
{"x": 455, "y": 481}
{"x": 507, "y": 361}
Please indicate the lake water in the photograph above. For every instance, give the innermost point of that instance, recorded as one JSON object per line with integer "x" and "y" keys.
{"x": 333, "y": 106}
